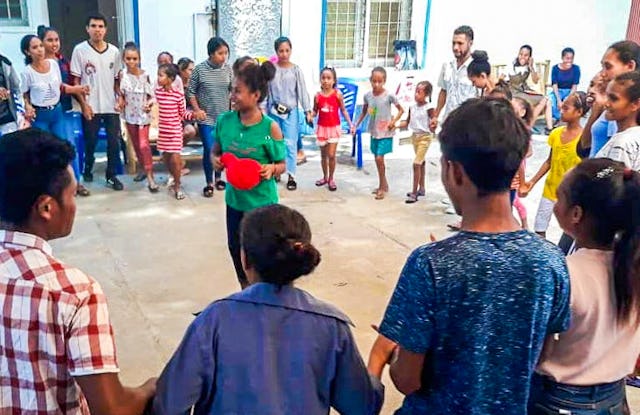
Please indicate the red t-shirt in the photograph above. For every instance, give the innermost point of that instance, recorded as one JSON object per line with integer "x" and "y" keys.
{"x": 328, "y": 110}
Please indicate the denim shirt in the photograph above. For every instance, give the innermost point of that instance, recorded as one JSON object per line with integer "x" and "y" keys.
{"x": 268, "y": 350}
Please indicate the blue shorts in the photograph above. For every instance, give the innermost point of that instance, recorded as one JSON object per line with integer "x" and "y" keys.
{"x": 381, "y": 146}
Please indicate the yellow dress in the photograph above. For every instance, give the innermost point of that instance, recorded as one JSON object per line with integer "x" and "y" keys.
{"x": 563, "y": 158}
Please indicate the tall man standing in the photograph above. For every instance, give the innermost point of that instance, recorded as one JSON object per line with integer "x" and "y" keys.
{"x": 96, "y": 63}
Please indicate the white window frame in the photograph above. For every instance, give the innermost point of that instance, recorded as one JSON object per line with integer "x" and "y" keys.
{"x": 362, "y": 34}
{"x": 14, "y": 21}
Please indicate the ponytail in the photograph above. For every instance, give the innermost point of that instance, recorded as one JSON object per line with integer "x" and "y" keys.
{"x": 626, "y": 250}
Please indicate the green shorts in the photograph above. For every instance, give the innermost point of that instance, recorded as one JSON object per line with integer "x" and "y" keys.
{"x": 381, "y": 146}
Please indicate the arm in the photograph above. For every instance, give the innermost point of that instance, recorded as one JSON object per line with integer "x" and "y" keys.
{"x": 442, "y": 99}
{"x": 303, "y": 94}
{"x": 192, "y": 90}
{"x": 278, "y": 166}
{"x": 345, "y": 114}
{"x": 526, "y": 188}
{"x": 406, "y": 371}
{"x": 597, "y": 109}
{"x": 394, "y": 120}
{"x": 532, "y": 69}
{"x": 29, "y": 111}
{"x": 576, "y": 78}
{"x": 106, "y": 395}
{"x": 365, "y": 108}
{"x": 405, "y": 124}
{"x": 75, "y": 78}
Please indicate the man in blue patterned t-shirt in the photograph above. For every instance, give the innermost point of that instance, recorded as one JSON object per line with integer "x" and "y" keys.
{"x": 470, "y": 313}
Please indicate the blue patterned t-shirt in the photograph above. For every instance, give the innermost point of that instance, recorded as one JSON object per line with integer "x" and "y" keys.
{"x": 479, "y": 306}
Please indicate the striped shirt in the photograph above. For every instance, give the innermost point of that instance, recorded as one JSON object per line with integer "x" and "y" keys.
{"x": 171, "y": 111}
{"x": 211, "y": 86}
{"x": 55, "y": 326}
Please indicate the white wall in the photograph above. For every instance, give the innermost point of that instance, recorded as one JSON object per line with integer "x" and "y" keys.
{"x": 171, "y": 28}
{"x": 10, "y": 36}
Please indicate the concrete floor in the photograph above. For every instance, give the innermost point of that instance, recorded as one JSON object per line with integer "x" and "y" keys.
{"x": 159, "y": 259}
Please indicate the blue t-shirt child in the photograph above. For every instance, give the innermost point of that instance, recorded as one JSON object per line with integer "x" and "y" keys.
{"x": 479, "y": 306}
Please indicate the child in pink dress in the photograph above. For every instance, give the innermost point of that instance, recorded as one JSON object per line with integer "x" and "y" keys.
{"x": 326, "y": 104}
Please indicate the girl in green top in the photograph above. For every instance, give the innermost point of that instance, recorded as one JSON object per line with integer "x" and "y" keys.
{"x": 248, "y": 133}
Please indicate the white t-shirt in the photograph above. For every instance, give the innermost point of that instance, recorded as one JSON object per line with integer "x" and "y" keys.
{"x": 625, "y": 147}
{"x": 419, "y": 121}
{"x": 98, "y": 70}
{"x": 43, "y": 88}
{"x": 456, "y": 82}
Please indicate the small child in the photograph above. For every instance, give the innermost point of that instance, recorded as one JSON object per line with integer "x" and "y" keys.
{"x": 477, "y": 305}
{"x": 136, "y": 99}
{"x": 585, "y": 367}
{"x": 563, "y": 157}
{"x": 623, "y": 107}
{"x": 523, "y": 110}
{"x": 308, "y": 358}
{"x": 377, "y": 105}
{"x": 418, "y": 121}
{"x": 172, "y": 111}
{"x": 326, "y": 104}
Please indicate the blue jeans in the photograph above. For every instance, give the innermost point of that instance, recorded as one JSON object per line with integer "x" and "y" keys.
{"x": 289, "y": 127}
{"x": 208, "y": 136}
{"x": 555, "y": 110}
{"x": 548, "y": 397}
{"x": 54, "y": 121}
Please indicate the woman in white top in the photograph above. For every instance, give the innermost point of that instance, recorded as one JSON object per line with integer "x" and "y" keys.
{"x": 41, "y": 87}
{"x": 582, "y": 371}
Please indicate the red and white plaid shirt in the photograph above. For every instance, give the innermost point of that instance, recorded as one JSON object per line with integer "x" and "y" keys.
{"x": 55, "y": 325}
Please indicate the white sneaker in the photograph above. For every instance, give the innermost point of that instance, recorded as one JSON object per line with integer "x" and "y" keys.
{"x": 450, "y": 210}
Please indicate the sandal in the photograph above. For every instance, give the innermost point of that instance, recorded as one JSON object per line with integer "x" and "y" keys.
{"x": 380, "y": 195}
{"x": 153, "y": 188}
{"x": 140, "y": 177}
{"x": 207, "y": 191}
{"x": 321, "y": 182}
{"x": 82, "y": 191}
{"x": 179, "y": 194}
{"x": 411, "y": 198}
{"x": 332, "y": 186}
{"x": 291, "y": 184}
{"x": 221, "y": 185}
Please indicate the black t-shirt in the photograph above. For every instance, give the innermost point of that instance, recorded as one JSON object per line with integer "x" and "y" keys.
{"x": 5, "y": 111}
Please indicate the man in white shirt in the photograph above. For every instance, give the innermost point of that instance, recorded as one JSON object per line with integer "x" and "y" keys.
{"x": 96, "y": 63}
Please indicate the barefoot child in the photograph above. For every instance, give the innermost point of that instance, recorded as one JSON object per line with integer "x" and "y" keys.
{"x": 377, "y": 105}
{"x": 563, "y": 157}
{"x": 326, "y": 104}
{"x": 418, "y": 121}
{"x": 172, "y": 111}
{"x": 136, "y": 99}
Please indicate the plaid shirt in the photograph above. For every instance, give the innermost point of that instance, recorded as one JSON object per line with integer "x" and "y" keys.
{"x": 55, "y": 325}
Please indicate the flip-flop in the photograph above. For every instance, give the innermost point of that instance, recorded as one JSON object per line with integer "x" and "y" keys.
{"x": 332, "y": 186}
{"x": 375, "y": 191}
{"x": 140, "y": 177}
{"x": 411, "y": 198}
{"x": 380, "y": 195}
{"x": 179, "y": 194}
{"x": 153, "y": 189}
{"x": 207, "y": 191}
{"x": 321, "y": 182}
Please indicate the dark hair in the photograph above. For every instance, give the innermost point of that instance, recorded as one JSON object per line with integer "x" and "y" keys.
{"x": 169, "y": 69}
{"x": 214, "y": 44}
{"x": 609, "y": 195}
{"x": 42, "y": 31}
{"x": 568, "y": 50}
{"x": 279, "y": 41}
{"x": 164, "y": 53}
{"x": 501, "y": 90}
{"x": 96, "y": 16}
{"x": 528, "y": 110}
{"x": 527, "y": 47}
{"x": 631, "y": 83}
{"x": 256, "y": 78}
{"x": 464, "y": 30}
{"x": 183, "y": 63}
{"x": 628, "y": 51}
{"x": 381, "y": 70}
{"x": 25, "y": 43}
{"x": 487, "y": 138}
{"x": 333, "y": 72}
{"x": 581, "y": 102}
{"x": 277, "y": 243}
{"x": 428, "y": 88}
{"x": 32, "y": 163}
{"x": 241, "y": 62}
{"x": 480, "y": 64}
{"x": 131, "y": 46}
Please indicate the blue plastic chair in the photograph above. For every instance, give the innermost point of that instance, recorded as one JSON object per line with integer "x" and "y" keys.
{"x": 350, "y": 93}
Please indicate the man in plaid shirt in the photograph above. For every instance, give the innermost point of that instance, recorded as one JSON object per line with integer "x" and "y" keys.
{"x": 57, "y": 352}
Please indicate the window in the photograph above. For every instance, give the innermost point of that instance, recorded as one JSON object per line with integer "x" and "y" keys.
{"x": 13, "y": 13}
{"x": 361, "y": 32}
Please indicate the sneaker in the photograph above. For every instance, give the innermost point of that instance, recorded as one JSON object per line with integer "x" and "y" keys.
{"x": 114, "y": 183}
{"x": 87, "y": 177}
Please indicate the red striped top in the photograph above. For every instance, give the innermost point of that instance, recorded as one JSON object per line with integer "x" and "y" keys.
{"x": 171, "y": 110}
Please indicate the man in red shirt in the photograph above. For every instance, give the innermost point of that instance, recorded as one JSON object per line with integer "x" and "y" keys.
{"x": 57, "y": 345}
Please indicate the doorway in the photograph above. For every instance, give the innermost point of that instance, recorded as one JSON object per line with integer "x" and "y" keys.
{"x": 68, "y": 18}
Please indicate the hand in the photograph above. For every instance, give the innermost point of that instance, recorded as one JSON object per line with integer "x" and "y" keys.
{"x": 433, "y": 238}
{"x": 352, "y": 129}
{"x": 120, "y": 104}
{"x": 391, "y": 126}
{"x": 24, "y": 123}
{"x": 217, "y": 163}
{"x": 4, "y": 93}
{"x": 148, "y": 106}
{"x": 433, "y": 124}
{"x": 524, "y": 189}
{"x": 310, "y": 117}
{"x": 29, "y": 112}
{"x": 199, "y": 115}
{"x": 268, "y": 171}
{"x": 87, "y": 112}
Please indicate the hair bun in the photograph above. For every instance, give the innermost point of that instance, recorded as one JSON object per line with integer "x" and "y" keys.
{"x": 480, "y": 56}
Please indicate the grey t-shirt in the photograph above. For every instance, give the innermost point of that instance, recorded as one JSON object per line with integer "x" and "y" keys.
{"x": 379, "y": 110}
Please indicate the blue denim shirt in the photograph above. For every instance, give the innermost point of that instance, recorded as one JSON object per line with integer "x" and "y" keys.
{"x": 268, "y": 350}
